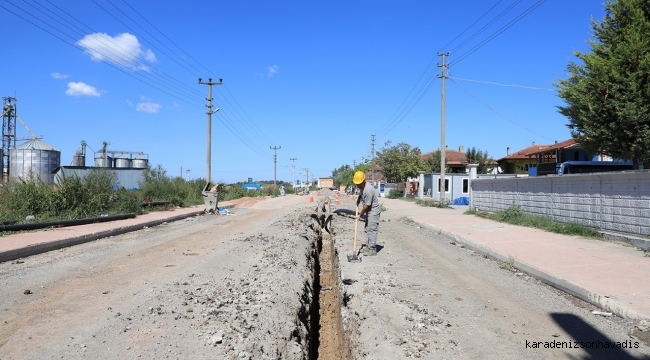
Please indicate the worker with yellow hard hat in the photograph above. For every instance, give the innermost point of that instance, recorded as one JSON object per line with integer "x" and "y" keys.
{"x": 368, "y": 197}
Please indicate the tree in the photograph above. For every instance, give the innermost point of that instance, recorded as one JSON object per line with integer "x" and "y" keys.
{"x": 475, "y": 156}
{"x": 341, "y": 174}
{"x": 608, "y": 97}
{"x": 432, "y": 163}
{"x": 399, "y": 162}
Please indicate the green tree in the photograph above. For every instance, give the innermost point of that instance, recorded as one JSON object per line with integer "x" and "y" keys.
{"x": 339, "y": 174}
{"x": 608, "y": 96}
{"x": 399, "y": 162}
{"x": 432, "y": 163}
{"x": 475, "y": 156}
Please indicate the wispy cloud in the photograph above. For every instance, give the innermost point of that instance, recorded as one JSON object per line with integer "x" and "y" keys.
{"x": 82, "y": 89}
{"x": 272, "y": 70}
{"x": 56, "y": 75}
{"x": 148, "y": 107}
{"x": 123, "y": 49}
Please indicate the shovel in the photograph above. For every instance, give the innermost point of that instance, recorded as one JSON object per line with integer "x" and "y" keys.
{"x": 354, "y": 257}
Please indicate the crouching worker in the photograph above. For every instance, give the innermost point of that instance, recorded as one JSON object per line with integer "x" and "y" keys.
{"x": 368, "y": 198}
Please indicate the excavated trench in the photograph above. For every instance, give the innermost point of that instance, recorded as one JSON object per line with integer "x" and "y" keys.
{"x": 328, "y": 338}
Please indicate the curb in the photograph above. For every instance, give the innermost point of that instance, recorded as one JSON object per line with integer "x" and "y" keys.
{"x": 581, "y": 293}
{"x": 63, "y": 243}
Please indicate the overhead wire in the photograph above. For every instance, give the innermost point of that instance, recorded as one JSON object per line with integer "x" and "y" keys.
{"x": 486, "y": 26}
{"x": 123, "y": 59}
{"x": 498, "y": 32}
{"x": 111, "y": 58}
{"x": 256, "y": 131}
{"x": 412, "y": 100}
{"x": 495, "y": 83}
{"x": 81, "y": 49}
{"x": 497, "y": 112}
{"x": 392, "y": 122}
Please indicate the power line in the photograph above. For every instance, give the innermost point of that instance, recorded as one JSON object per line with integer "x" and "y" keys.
{"x": 78, "y": 48}
{"x": 134, "y": 59}
{"x": 255, "y": 129}
{"x": 393, "y": 121}
{"x": 495, "y": 83}
{"x": 477, "y": 20}
{"x": 484, "y": 27}
{"x": 498, "y": 113}
{"x": 498, "y": 32}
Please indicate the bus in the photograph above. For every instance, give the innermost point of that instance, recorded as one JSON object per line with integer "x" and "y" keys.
{"x": 588, "y": 167}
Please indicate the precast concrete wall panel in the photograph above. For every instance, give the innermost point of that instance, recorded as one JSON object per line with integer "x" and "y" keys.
{"x": 617, "y": 201}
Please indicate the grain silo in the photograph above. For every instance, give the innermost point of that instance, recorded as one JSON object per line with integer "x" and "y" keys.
{"x": 140, "y": 162}
{"x": 122, "y": 161}
{"x": 34, "y": 158}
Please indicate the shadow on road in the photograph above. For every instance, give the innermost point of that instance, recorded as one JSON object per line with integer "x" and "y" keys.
{"x": 592, "y": 341}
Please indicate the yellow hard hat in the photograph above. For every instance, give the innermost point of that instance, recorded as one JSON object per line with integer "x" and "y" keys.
{"x": 359, "y": 177}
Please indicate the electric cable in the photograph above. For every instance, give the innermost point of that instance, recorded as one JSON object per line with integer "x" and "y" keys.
{"x": 495, "y": 83}
{"x": 497, "y": 112}
{"x": 498, "y": 32}
{"x": 79, "y": 48}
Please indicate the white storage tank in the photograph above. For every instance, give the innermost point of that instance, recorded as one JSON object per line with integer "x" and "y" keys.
{"x": 103, "y": 161}
{"x": 140, "y": 162}
{"x": 122, "y": 162}
{"x": 34, "y": 158}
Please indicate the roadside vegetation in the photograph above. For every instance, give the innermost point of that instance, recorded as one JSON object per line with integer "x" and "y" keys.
{"x": 99, "y": 194}
{"x": 515, "y": 215}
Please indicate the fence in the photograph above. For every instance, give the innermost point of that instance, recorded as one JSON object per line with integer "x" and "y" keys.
{"x": 617, "y": 201}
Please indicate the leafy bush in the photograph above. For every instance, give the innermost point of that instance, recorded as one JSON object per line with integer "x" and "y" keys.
{"x": 395, "y": 194}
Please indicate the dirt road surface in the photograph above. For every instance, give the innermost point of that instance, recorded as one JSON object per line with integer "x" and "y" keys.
{"x": 263, "y": 284}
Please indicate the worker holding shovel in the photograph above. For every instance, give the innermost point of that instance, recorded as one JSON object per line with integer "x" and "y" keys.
{"x": 368, "y": 197}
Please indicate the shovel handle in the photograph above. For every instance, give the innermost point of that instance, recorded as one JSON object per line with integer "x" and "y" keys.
{"x": 356, "y": 224}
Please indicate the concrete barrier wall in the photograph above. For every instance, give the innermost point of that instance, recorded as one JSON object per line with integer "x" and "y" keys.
{"x": 608, "y": 201}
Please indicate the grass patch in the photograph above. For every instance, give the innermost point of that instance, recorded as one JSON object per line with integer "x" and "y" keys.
{"x": 508, "y": 264}
{"x": 515, "y": 215}
{"x": 432, "y": 203}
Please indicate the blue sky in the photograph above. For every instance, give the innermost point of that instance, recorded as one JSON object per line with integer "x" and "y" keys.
{"x": 316, "y": 78}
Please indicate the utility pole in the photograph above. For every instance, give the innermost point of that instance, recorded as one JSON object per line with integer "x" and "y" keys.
{"x": 210, "y": 112}
{"x": 293, "y": 169}
{"x": 354, "y": 164}
{"x": 443, "y": 153}
{"x": 275, "y": 162}
{"x": 188, "y": 174}
{"x": 306, "y": 177}
{"x": 372, "y": 171}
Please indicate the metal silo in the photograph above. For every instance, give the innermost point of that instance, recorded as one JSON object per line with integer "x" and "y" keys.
{"x": 79, "y": 160}
{"x": 34, "y": 158}
{"x": 140, "y": 162}
{"x": 122, "y": 162}
{"x": 103, "y": 161}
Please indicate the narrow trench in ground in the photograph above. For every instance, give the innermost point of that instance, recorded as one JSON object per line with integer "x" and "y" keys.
{"x": 328, "y": 340}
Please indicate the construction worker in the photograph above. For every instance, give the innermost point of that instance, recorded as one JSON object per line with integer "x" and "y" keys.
{"x": 368, "y": 197}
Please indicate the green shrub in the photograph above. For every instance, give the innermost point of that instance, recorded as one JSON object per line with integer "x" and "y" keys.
{"x": 395, "y": 194}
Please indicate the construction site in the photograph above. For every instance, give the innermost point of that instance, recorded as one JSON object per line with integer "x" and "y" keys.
{"x": 283, "y": 278}
{"x": 24, "y": 158}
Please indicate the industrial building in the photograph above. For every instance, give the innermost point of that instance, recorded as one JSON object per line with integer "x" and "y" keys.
{"x": 35, "y": 158}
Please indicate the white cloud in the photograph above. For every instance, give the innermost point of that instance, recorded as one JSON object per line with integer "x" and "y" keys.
{"x": 272, "y": 70}
{"x": 148, "y": 107}
{"x": 123, "y": 49}
{"x": 56, "y": 75}
{"x": 129, "y": 102}
{"x": 81, "y": 89}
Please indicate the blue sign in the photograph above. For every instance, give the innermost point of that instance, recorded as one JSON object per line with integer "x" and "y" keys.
{"x": 297, "y": 182}
{"x": 250, "y": 179}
